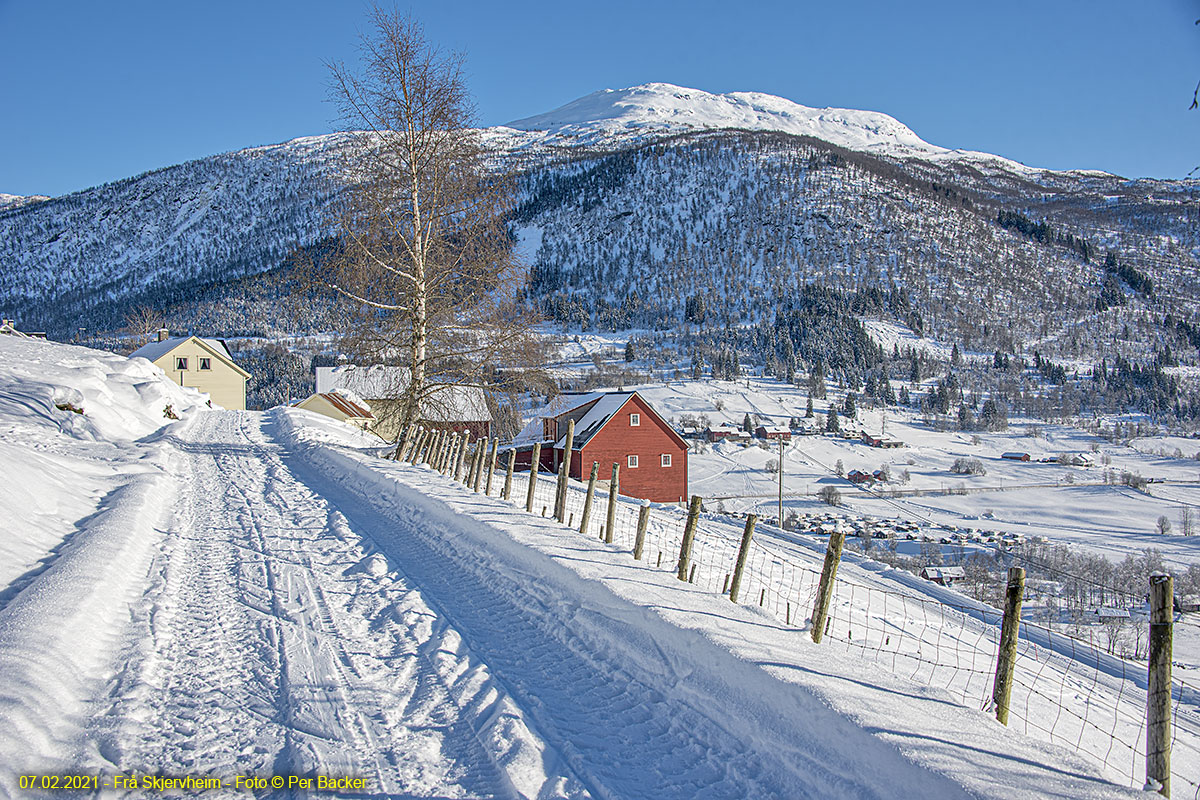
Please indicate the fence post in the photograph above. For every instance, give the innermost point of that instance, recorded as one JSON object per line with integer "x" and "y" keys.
{"x": 456, "y": 443}
{"x": 467, "y": 460}
{"x": 614, "y": 490}
{"x": 639, "y": 543}
{"x": 487, "y": 489}
{"x": 411, "y": 456}
{"x": 743, "y": 554}
{"x": 439, "y": 447}
{"x": 833, "y": 556}
{"x": 533, "y": 473}
{"x": 512, "y": 462}
{"x": 564, "y": 470}
{"x": 480, "y": 461}
{"x": 456, "y": 468}
{"x": 402, "y": 445}
{"x": 689, "y": 535}
{"x": 587, "y": 501}
{"x": 1006, "y": 658}
{"x": 1158, "y": 694}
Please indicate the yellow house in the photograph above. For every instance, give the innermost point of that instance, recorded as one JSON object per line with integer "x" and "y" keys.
{"x": 203, "y": 364}
{"x": 340, "y": 407}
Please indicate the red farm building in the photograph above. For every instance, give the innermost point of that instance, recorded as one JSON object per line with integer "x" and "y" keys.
{"x": 611, "y": 428}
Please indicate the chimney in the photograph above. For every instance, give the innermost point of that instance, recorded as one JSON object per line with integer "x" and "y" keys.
{"x": 163, "y": 333}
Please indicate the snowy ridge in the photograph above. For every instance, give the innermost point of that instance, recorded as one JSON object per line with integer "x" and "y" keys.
{"x": 658, "y": 108}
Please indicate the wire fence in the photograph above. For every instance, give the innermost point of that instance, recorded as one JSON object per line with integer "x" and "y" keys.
{"x": 1065, "y": 690}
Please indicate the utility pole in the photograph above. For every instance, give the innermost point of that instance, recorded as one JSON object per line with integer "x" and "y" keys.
{"x": 781, "y": 480}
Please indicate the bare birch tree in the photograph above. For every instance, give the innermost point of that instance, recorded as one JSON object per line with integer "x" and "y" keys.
{"x": 424, "y": 260}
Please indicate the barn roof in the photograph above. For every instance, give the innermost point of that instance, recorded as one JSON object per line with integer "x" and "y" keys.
{"x": 599, "y": 408}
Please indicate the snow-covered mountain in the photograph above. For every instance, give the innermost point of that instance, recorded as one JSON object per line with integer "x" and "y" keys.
{"x": 656, "y": 108}
{"x": 639, "y": 200}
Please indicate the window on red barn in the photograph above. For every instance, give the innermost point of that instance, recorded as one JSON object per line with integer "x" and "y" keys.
{"x": 633, "y": 462}
{"x": 635, "y": 420}
{"x": 666, "y": 459}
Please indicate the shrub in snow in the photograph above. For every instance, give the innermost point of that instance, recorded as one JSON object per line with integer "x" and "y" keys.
{"x": 968, "y": 466}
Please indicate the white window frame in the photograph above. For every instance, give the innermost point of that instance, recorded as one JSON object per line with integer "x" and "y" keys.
{"x": 632, "y": 462}
{"x": 181, "y": 364}
{"x": 205, "y": 364}
{"x": 635, "y": 420}
{"x": 666, "y": 459}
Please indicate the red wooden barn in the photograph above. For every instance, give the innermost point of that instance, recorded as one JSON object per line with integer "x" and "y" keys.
{"x": 612, "y": 428}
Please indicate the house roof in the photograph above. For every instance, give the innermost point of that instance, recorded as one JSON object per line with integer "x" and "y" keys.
{"x": 934, "y": 573}
{"x": 453, "y": 403}
{"x": 153, "y": 351}
{"x": 344, "y": 404}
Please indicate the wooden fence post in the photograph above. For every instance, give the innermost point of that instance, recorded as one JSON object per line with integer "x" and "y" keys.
{"x": 463, "y": 440}
{"x": 480, "y": 463}
{"x": 402, "y": 445}
{"x": 421, "y": 444}
{"x": 1010, "y": 629}
{"x": 614, "y": 491}
{"x": 1158, "y": 693}
{"x": 456, "y": 443}
{"x": 508, "y": 473}
{"x": 587, "y": 501}
{"x": 639, "y": 543}
{"x": 833, "y": 556}
{"x": 689, "y": 536}
{"x": 418, "y": 443}
{"x": 436, "y": 449}
{"x": 464, "y": 461}
{"x": 487, "y": 489}
{"x": 560, "y": 497}
{"x": 743, "y": 554}
{"x": 533, "y": 473}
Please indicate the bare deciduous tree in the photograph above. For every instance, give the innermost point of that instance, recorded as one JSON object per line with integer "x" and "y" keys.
{"x": 142, "y": 320}
{"x": 423, "y": 263}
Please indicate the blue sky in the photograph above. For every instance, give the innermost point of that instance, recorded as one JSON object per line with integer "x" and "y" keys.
{"x": 98, "y": 91}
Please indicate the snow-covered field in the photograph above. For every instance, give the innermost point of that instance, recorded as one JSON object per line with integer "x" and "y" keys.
{"x": 1067, "y": 504}
{"x": 241, "y": 594}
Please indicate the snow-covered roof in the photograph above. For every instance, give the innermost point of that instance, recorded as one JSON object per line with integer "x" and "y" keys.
{"x": 349, "y": 406}
{"x": 156, "y": 350}
{"x": 603, "y": 405}
{"x": 943, "y": 573}
{"x": 452, "y": 403}
{"x": 608, "y": 404}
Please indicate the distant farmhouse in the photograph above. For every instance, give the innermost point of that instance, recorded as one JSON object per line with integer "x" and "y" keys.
{"x": 452, "y": 407}
{"x": 203, "y": 364}
{"x": 9, "y": 328}
{"x": 611, "y": 428}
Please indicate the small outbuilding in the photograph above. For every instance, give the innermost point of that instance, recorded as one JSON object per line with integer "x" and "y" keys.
{"x": 774, "y": 432}
{"x": 341, "y": 407}
{"x": 203, "y": 364}
{"x": 1014, "y": 456}
{"x": 943, "y": 576}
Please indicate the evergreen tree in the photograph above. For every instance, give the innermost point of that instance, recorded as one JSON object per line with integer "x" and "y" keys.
{"x": 630, "y": 354}
{"x": 850, "y": 406}
{"x": 808, "y": 408}
{"x": 832, "y": 425}
{"x": 747, "y": 425}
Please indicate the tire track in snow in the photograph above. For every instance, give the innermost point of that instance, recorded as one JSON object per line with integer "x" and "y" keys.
{"x": 277, "y": 645}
